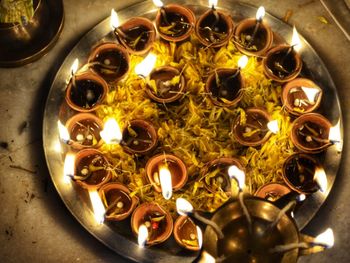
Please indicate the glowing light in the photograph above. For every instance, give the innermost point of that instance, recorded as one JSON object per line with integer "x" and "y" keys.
{"x": 68, "y": 167}
{"x": 145, "y": 67}
{"x": 63, "y": 132}
{"x": 97, "y": 206}
{"x": 301, "y": 197}
{"x": 183, "y": 207}
{"x": 199, "y": 236}
{"x": 273, "y": 126}
{"x": 335, "y": 136}
{"x": 57, "y": 146}
{"x": 142, "y": 236}
{"x": 114, "y": 22}
{"x": 321, "y": 179}
{"x": 242, "y": 62}
{"x": 165, "y": 182}
{"x": 260, "y": 13}
{"x": 235, "y": 173}
{"x": 311, "y": 93}
{"x": 325, "y": 239}
{"x": 111, "y": 132}
{"x": 206, "y": 258}
{"x": 74, "y": 67}
{"x": 158, "y": 3}
{"x": 296, "y": 42}
{"x": 213, "y": 3}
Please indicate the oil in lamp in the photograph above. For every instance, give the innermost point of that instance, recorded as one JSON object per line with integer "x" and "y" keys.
{"x": 272, "y": 191}
{"x": 187, "y": 234}
{"x": 225, "y": 85}
{"x": 174, "y": 22}
{"x": 214, "y": 28}
{"x": 301, "y": 96}
{"x": 139, "y": 137}
{"x": 253, "y": 37}
{"x": 136, "y": 35}
{"x": 283, "y": 63}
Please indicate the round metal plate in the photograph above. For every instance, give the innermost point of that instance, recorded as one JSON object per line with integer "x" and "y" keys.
{"x": 118, "y": 236}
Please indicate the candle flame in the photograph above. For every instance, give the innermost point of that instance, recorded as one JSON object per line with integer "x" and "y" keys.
{"x": 142, "y": 236}
{"x": 296, "y": 42}
{"x": 321, "y": 179}
{"x": 273, "y": 126}
{"x": 111, "y": 132}
{"x": 213, "y": 3}
{"x": 97, "y": 206}
{"x": 199, "y": 236}
{"x": 260, "y": 13}
{"x": 145, "y": 67}
{"x": 158, "y": 3}
{"x": 311, "y": 93}
{"x": 183, "y": 207}
{"x": 114, "y": 20}
{"x": 242, "y": 62}
{"x": 68, "y": 167}
{"x": 301, "y": 197}
{"x": 206, "y": 258}
{"x": 63, "y": 132}
{"x": 74, "y": 67}
{"x": 165, "y": 182}
{"x": 235, "y": 173}
{"x": 326, "y": 238}
{"x": 335, "y": 136}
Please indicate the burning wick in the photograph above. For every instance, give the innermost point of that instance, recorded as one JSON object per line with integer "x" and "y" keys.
{"x": 213, "y": 4}
{"x": 239, "y": 176}
{"x": 98, "y": 207}
{"x": 165, "y": 182}
{"x": 73, "y": 70}
{"x": 63, "y": 133}
{"x": 68, "y": 167}
{"x": 142, "y": 236}
{"x": 242, "y": 63}
{"x": 295, "y": 44}
{"x": 321, "y": 179}
{"x": 144, "y": 68}
{"x": 160, "y": 5}
{"x": 111, "y": 132}
{"x": 259, "y": 17}
{"x": 115, "y": 27}
{"x": 185, "y": 208}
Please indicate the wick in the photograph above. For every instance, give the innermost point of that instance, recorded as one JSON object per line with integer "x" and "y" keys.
{"x": 288, "y": 247}
{"x": 280, "y": 215}
{"x": 312, "y": 137}
{"x": 256, "y": 28}
{"x": 245, "y": 210}
{"x": 210, "y": 223}
{"x": 217, "y": 17}
{"x": 74, "y": 84}
{"x": 164, "y": 15}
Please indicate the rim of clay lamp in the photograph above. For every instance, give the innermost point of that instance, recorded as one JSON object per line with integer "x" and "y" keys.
{"x": 279, "y": 188}
{"x": 176, "y": 230}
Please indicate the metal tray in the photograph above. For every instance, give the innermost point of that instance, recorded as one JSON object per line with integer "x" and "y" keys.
{"x": 118, "y": 236}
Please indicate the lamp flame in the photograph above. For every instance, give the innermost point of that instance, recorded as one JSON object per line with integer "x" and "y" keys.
{"x": 206, "y": 258}
{"x": 335, "y": 135}
{"x": 242, "y": 62}
{"x": 74, "y": 67}
{"x": 142, "y": 236}
{"x": 158, "y": 3}
{"x": 199, "y": 236}
{"x": 68, "y": 167}
{"x": 111, "y": 132}
{"x": 273, "y": 126}
{"x": 213, "y": 3}
{"x": 311, "y": 93}
{"x": 145, "y": 67}
{"x": 165, "y": 182}
{"x": 325, "y": 239}
{"x": 301, "y": 197}
{"x": 114, "y": 22}
{"x": 296, "y": 42}
{"x": 235, "y": 173}
{"x": 260, "y": 13}
{"x": 321, "y": 179}
{"x": 183, "y": 207}
{"x": 97, "y": 206}
{"x": 63, "y": 132}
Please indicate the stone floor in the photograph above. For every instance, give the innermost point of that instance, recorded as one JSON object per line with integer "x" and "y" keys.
{"x": 35, "y": 226}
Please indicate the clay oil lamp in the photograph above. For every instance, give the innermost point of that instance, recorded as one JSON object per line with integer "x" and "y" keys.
{"x": 166, "y": 172}
{"x": 272, "y": 191}
{"x": 174, "y": 22}
{"x": 85, "y": 91}
{"x": 214, "y": 28}
{"x": 283, "y": 63}
{"x": 215, "y": 174}
{"x": 301, "y": 96}
{"x": 253, "y": 36}
{"x": 110, "y": 61}
{"x": 157, "y": 222}
{"x": 91, "y": 169}
{"x": 310, "y": 133}
{"x": 117, "y": 201}
{"x": 139, "y": 137}
{"x": 303, "y": 174}
{"x": 256, "y": 129}
{"x": 84, "y": 131}
{"x": 166, "y": 84}
{"x": 136, "y": 35}
{"x": 187, "y": 234}
{"x": 225, "y": 85}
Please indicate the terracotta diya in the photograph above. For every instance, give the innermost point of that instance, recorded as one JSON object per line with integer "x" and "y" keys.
{"x": 301, "y": 96}
{"x": 299, "y": 173}
{"x": 175, "y": 165}
{"x": 86, "y": 92}
{"x": 139, "y": 137}
{"x": 214, "y": 28}
{"x": 117, "y": 201}
{"x": 84, "y": 130}
{"x": 110, "y": 61}
{"x": 310, "y": 133}
{"x": 282, "y": 63}
{"x": 136, "y": 35}
{"x": 225, "y": 86}
{"x": 175, "y": 22}
{"x": 159, "y": 222}
{"x": 272, "y": 191}
{"x": 91, "y": 169}
{"x": 185, "y": 233}
{"x": 254, "y": 131}
{"x": 166, "y": 84}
